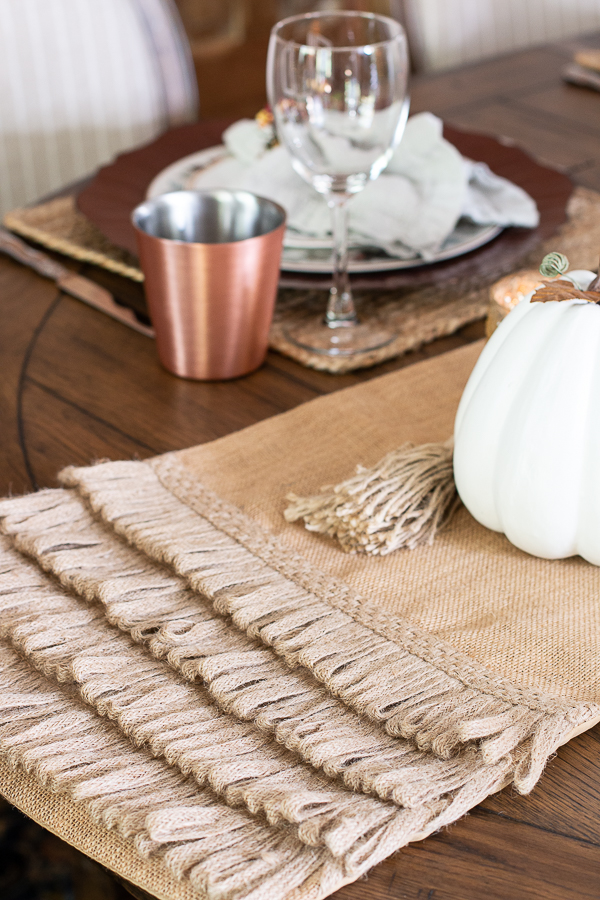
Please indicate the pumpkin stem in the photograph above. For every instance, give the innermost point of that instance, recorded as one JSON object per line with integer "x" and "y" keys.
{"x": 595, "y": 285}
{"x": 554, "y": 264}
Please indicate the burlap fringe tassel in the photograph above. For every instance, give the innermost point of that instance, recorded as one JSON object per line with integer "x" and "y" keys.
{"x": 402, "y": 501}
{"x": 409, "y": 695}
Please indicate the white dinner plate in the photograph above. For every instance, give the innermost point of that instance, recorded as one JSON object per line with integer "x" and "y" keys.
{"x": 302, "y": 253}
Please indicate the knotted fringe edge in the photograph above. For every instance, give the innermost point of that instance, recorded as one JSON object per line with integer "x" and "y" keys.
{"x": 402, "y": 501}
{"x": 70, "y": 643}
{"x": 381, "y": 680}
{"x": 223, "y": 853}
{"x": 57, "y": 530}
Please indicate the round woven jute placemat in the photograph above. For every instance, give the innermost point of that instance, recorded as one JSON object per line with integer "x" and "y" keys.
{"x": 58, "y": 225}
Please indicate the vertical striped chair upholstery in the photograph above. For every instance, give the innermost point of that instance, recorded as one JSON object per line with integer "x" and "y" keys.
{"x": 82, "y": 80}
{"x": 448, "y": 33}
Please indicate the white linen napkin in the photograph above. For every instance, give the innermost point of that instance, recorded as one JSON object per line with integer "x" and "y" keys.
{"x": 410, "y": 209}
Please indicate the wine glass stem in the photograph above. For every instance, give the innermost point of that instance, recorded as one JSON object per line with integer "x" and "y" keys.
{"x": 340, "y": 307}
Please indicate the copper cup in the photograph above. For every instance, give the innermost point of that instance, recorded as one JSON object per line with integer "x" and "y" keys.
{"x": 211, "y": 266}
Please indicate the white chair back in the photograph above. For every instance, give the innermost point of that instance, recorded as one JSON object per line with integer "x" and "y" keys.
{"x": 81, "y": 81}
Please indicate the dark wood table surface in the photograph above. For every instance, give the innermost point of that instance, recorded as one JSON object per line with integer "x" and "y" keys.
{"x": 76, "y": 386}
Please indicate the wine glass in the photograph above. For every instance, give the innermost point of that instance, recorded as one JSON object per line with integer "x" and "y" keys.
{"x": 337, "y": 85}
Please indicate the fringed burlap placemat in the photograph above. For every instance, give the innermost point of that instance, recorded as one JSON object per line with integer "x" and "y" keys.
{"x": 418, "y": 315}
{"x": 240, "y": 708}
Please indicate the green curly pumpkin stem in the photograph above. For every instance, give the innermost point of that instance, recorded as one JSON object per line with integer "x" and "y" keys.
{"x": 554, "y": 264}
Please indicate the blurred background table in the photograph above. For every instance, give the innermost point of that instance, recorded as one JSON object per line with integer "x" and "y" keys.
{"x": 77, "y": 386}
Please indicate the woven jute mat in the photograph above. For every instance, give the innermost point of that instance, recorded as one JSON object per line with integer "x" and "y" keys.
{"x": 417, "y": 315}
{"x": 216, "y": 703}
{"x": 58, "y": 225}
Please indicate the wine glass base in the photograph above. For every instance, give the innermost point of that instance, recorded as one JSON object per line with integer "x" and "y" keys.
{"x": 341, "y": 340}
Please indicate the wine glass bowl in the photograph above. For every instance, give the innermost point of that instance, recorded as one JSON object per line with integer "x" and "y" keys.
{"x": 337, "y": 85}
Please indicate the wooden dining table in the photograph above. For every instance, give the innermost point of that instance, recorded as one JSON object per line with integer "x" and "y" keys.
{"x": 77, "y": 386}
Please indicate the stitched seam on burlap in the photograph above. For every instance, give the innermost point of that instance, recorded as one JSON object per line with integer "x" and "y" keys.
{"x": 231, "y": 520}
{"x": 183, "y": 488}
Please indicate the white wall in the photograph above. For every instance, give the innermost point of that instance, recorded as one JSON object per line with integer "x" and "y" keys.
{"x": 459, "y": 31}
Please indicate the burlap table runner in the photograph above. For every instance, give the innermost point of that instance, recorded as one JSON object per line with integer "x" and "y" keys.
{"x": 216, "y": 703}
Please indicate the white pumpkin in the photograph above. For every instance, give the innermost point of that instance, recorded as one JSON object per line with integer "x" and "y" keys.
{"x": 527, "y": 430}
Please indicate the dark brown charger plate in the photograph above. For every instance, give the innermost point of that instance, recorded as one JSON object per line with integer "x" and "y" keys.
{"x": 117, "y": 188}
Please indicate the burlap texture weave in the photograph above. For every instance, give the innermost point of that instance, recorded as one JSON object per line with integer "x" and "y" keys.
{"x": 216, "y": 703}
